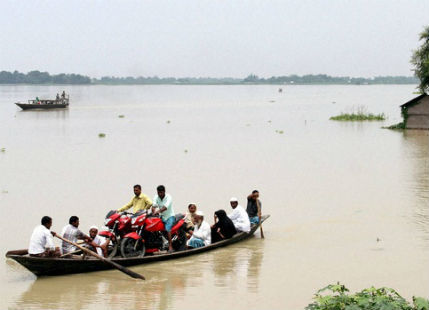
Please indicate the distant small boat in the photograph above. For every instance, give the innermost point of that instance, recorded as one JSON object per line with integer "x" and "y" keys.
{"x": 45, "y": 104}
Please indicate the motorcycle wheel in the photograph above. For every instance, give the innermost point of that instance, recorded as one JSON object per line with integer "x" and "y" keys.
{"x": 112, "y": 249}
{"x": 132, "y": 248}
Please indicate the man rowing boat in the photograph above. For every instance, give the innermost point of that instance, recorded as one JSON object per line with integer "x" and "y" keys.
{"x": 42, "y": 241}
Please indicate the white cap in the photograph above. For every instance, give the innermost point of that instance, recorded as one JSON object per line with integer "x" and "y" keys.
{"x": 199, "y": 213}
{"x": 93, "y": 227}
{"x": 233, "y": 199}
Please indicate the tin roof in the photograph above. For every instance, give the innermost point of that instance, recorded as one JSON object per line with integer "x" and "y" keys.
{"x": 413, "y": 101}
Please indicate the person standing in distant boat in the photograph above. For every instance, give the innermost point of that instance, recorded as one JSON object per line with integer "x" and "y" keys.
{"x": 254, "y": 207}
{"x": 57, "y": 98}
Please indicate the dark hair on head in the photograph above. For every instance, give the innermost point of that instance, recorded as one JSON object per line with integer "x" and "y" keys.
{"x": 221, "y": 214}
{"x": 192, "y": 204}
{"x": 137, "y": 186}
{"x": 73, "y": 219}
{"x": 255, "y": 191}
{"x": 161, "y": 188}
{"x": 46, "y": 220}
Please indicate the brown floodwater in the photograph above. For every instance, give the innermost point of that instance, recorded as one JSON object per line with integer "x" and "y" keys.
{"x": 348, "y": 201}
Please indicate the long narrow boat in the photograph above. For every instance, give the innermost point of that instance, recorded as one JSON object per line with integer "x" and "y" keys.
{"x": 47, "y": 266}
{"x": 45, "y": 104}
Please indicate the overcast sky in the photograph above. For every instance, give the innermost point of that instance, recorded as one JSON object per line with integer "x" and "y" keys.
{"x": 218, "y": 38}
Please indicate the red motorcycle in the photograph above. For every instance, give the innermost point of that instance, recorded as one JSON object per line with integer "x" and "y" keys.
{"x": 119, "y": 225}
{"x": 150, "y": 236}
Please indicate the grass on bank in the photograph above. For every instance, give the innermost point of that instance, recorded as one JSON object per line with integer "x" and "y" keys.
{"x": 359, "y": 114}
{"x": 371, "y": 298}
{"x": 398, "y": 126}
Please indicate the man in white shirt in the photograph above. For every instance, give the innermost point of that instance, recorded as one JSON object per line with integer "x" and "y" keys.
{"x": 201, "y": 236}
{"x": 72, "y": 233}
{"x": 98, "y": 244}
{"x": 239, "y": 216}
{"x": 42, "y": 241}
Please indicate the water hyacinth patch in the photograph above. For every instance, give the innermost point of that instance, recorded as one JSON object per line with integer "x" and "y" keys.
{"x": 338, "y": 298}
{"x": 358, "y": 114}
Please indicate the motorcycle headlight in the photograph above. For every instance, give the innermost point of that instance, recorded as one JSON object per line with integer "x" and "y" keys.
{"x": 133, "y": 220}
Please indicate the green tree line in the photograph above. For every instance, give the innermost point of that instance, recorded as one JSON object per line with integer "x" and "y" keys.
{"x": 37, "y": 77}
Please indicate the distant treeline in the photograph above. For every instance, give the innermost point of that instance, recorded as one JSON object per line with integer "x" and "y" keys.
{"x": 37, "y": 77}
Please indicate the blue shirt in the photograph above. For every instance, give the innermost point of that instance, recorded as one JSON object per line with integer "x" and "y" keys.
{"x": 166, "y": 202}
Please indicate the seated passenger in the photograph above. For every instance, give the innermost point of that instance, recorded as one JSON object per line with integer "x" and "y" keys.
{"x": 98, "y": 244}
{"x": 239, "y": 216}
{"x": 72, "y": 233}
{"x": 188, "y": 216}
{"x": 201, "y": 235}
{"x": 222, "y": 229}
{"x": 42, "y": 241}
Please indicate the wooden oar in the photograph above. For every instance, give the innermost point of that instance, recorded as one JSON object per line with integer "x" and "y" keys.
{"x": 133, "y": 274}
{"x": 70, "y": 253}
{"x": 259, "y": 215}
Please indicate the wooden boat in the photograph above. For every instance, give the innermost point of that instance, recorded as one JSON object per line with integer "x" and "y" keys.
{"x": 48, "y": 266}
{"x": 45, "y": 104}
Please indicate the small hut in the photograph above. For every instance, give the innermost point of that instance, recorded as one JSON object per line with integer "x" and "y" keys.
{"x": 416, "y": 113}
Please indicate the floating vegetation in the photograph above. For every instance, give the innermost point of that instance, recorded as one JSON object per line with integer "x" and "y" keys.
{"x": 359, "y": 114}
{"x": 4, "y": 191}
{"x": 358, "y": 117}
{"x": 247, "y": 125}
{"x": 168, "y": 122}
{"x": 3, "y": 149}
{"x": 336, "y": 296}
{"x": 185, "y": 151}
{"x": 101, "y": 135}
{"x": 280, "y": 132}
{"x": 121, "y": 116}
{"x": 398, "y": 126}
{"x": 269, "y": 121}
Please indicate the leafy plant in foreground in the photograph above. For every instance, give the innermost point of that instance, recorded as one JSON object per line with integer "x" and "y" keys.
{"x": 371, "y": 298}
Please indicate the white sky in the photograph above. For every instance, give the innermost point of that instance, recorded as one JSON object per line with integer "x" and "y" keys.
{"x": 218, "y": 38}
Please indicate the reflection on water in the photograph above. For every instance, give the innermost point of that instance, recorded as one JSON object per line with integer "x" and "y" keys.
{"x": 417, "y": 147}
{"x": 167, "y": 282}
{"x": 42, "y": 115}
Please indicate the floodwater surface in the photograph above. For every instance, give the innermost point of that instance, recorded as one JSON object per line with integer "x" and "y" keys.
{"x": 348, "y": 201}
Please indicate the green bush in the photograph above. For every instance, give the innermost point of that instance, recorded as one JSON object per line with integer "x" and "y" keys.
{"x": 371, "y": 298}
{"x": 358, "y": 117}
